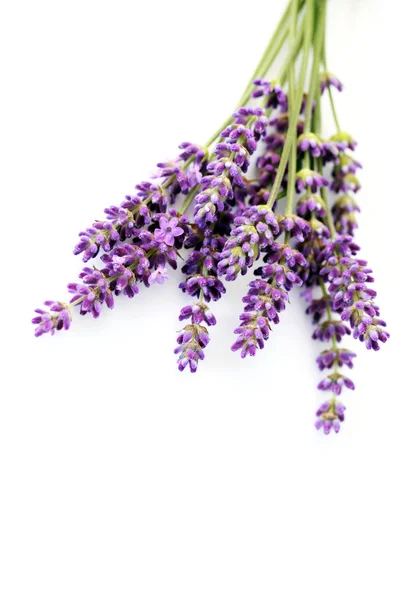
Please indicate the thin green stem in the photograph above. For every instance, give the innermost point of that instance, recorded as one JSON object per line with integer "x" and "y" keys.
{"x": 189, "y": 199}
{"x": 331, "y": 100}
{"x": 294, "y": 50}
{"x": 292, "y": 131}
{"x": 314, "y": 79}
{"x": 292, "y": 99}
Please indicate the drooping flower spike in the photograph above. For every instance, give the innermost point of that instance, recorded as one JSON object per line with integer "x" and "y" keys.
{"x": 268, "y": 193}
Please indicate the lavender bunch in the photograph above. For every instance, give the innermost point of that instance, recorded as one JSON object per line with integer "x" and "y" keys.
{"x": 266, "y": 193}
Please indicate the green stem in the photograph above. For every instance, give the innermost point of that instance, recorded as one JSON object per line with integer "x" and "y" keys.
{"x": 292, "y": 131}
{"x": 314, "y": 79}
{"x": 189, "y": 199}
{"x": 292, "y": 98}
{"x": 317, "y": 121}
{"x": 331, "y": 100}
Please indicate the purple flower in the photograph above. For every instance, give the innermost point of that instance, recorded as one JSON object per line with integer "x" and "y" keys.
{"x": 168, "y": 231}
{"x": 184, "y": 172}
{"x": 307, "y": 178}
{"x": 158, "y": 276}
{"x": 344, "y": 214}
{"x": 330, "y": 416}
{"x": 251, "y": 334}
{"x": 192, "y": 340}
{"x": 281, "y": 274}
{"x": 297, "y": 227}
{"x": 335, "y": 383}
{"x": 309, "y": 142}
{"x": 101, "y": 235}
{"x": 330, "y": 80}
{"x": 92, "y": 293}
{"x": 56, "y": 318}
{"x": 255, "y": 229}
{"x": 267, "y": 165}
{"x": 311, "y": 203}
{"x": 339, "y": 357}
{"x": 125, "y": 266}
{"x": 331, "y": 329}
{"x": 273, "y": 92}
{"x": 198, "y": 313}
{"x": 343, "y": 141}
{"x": 211, "y": 287}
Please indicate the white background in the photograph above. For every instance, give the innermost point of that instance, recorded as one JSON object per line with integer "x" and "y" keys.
{"x": 121, "y": 477}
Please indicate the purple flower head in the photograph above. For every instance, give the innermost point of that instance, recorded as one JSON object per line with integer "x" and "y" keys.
{"x": 248, "y": 123}
{"x": 159, "y": 252}
{"x": 284, "y": 254}
{"x": 280, "y": 274}
{"x": 211, "y": 287}
{"x": 125, "y": 266}
{"x": 160, "y": 275}
{"x": 267, "y": 165}
{"x": 231, "y": 151}
{"x": 343, "y": 141}
{"x": 281, "y": 123}
{"x": 345, "y": 183}
{"x": 198, "y": 313}
{"x": 102, "y": 234}
{"x": 255, "y": 229}
{"x": 330, "y": 416}
{"x": 370, "y": 330}
{"x": 335, "y": 383}
{"x": 184, "y": 172}
{"x": 92, "y": 293}
{"x": 344, "y": 214}
{"x": 311, "y": 203}
{"x": 309, "y": 142}
{"x": 339, "y": 356}
{"x": 252, "y": 333}
{"x": 330, "y": 80}
{"x": 330, "y": 152}
{"x": 297, "y": 227}
{"x": 168, "y": 230}
{"x": 192, "y": 340}
{"x": 205, "y": 259}
{"x": 331, "y": 329}
{"x": 317, "y": 307}
{"x": 273, "y": 92}
{"x": 275, "y": 141}
{"x": 57, "y": 317}
{"x": 307, "y": 178}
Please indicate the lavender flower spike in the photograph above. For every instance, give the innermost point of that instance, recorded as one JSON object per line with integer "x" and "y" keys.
{"x": 255, "y": 229}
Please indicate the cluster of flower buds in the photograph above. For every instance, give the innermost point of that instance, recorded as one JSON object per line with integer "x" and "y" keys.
{"x": 215, "y": 211}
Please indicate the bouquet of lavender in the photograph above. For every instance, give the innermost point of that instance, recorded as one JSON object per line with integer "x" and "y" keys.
{"x": 204, "y": 212}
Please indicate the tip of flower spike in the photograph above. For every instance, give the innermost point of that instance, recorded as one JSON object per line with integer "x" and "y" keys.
{"x": 330, "y": 415}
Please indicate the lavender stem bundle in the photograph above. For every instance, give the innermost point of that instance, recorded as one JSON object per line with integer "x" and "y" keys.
{"x": 204, "y": 213}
